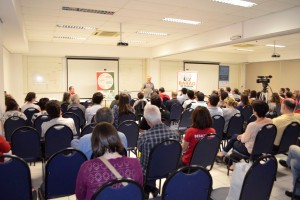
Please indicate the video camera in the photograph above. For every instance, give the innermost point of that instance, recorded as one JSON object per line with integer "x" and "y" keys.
{"x": 265, "y": 80}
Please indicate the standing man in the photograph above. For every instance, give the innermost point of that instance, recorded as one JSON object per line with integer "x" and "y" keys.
{"x": 148, "y": 87}
{"x": 72, "y": 90}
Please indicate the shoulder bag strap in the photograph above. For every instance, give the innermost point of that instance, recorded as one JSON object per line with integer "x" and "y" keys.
{"x": 112, "y": 169}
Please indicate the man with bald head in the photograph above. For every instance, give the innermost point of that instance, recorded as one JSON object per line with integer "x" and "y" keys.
{"x": 288, "y": 116}
{"x": 172, "y": 101}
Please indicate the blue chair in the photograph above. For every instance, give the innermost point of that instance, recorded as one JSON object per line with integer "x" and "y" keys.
{"x": 132, "y": 101}
{"x": 185, "y": 121}
{"x": 131, "y": 131}
{"x": 251, "y": 119}
{"x": 61, "y": 173}
{"x": 247, "y": 111}
{"x": 109, "y": 191}
{"x": 76, "y": 120}
{"x": 218, "y": 125}
{"x": 205, "y": 151}
{"x": 175, "y": 112}
{"x": 37, "y": 124}
{"x": 79, "y": 113}
{"x": 11, "y": 124}
{"x": 88, "y": 129}
{"x": 271, "y": 114}
{"x": 124, "y": 117}
{"x": 15, "y": 179}
{"x": 25, "y": 143}
{"x": 235, "y": 126}
{"x": 64, "y": 107}
{"x": 264, "y": 168}
{"x": 163, "y": 160}
{"x": 29, "y": 113}
{"x": 192, "y": 183}
{"x": 57, "y": 137}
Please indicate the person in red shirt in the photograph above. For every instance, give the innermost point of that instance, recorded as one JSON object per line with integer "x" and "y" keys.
{"x": 201, "y": 125}
{"x": 4, "y": 147}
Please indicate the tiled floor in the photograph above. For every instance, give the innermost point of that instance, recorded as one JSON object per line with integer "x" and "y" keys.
{"x": 220, "y": 179}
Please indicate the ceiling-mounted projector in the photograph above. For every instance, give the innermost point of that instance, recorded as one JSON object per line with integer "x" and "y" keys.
{"x": 275, "y": 55}
{"x": 123, "y": 44}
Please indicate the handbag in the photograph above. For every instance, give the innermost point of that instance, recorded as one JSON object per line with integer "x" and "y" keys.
{"x": 112, "y": 169}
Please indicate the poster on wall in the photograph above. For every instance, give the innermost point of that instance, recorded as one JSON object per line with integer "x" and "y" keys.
{"x": 187, "y": 79}
{"x": 105, "y": 84}
{"x": 223, "y": 76}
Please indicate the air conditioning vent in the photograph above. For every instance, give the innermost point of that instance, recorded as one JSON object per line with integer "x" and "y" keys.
{"x": 103, "y": 12}
{"x": 106, "y": 33}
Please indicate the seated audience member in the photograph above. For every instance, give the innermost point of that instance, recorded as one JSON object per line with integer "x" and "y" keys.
{"x": 4, "y": 147}
{"x": 288, "y": 116}
{"x": 183, "y": 96}
{"x": 289, "y": 94}
{"x": 244, "y": 102}
{"x": 71, "y": 90}
{"x": 84, "y": 143}
{"x": 172, "y": 101}
{"x": 282, "y": 93}
{"x": 220, "y": 91}
{"x": 287, "y": 90}
{"x": 75, "y": 102}
{"x": 141, "y": 98}
{"x": 275, "y": 104}
{"x": 252, "y": 96}
{"x": 201, "y": 125}
{"x": 229, "y": 111}
{"x": 42, "y": 103}
{"x": 29, "y": 102}
{"x": 244, "y": 143}
{"x": 297, "y": 96}
{"x": 53, "y": 110}
{"x": 228, "y": 90}
{"x": 212, "y": 105}
{"x": 66, "y": 98}
{"x": 191, "y": 99}
{"x": 91, "y": 111}
{"x": 165, "y": 115}
{"x": 107, "y": 147}
{"x": 222, "y": 97}
{"x": 12, "y": 109}
{"x": 162, "y": 94}
{"x": 236, "y": 94}
{"x": 114, "y": 102}
{"x": 148, "y": 139}
{"x": 293, "y": 161}
{"x": 122, "y": 108}
{"x": 200, "y": 100}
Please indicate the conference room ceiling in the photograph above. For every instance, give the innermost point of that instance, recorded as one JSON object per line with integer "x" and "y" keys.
{"x": 42, "y": 19}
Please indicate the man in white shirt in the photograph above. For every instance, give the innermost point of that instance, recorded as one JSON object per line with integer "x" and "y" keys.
{"x": 212, "y": 105}
{"x": 91, "y": 111}
{"x": 53, "y": 110}
{"x": 181, "y": 98}
{"x": 200, "y": 101}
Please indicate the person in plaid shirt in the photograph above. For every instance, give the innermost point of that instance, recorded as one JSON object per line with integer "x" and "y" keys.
{"x": 148, "y": 139}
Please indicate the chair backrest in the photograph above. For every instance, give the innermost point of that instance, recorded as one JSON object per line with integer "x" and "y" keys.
{"x": 218, "y": 124}
{"x": 259, "y": 179}
{"x": 289, "y": 137}
{"x": 75, "y": 118}
{"x": 29, "y": 113}
{"x": 131, "y": 131}
{"x": 64, "y": 107}
{"x": 114, "y": 190}
{"x": 264, "y": 140}
{"x": 132, "y": 101}
{"x": 192, "y": 183}
{"x": 57, "y": 137}
{"x": 129, "y": 116}
{"x": 25, "y": 143}
{"x": 11, "y": 124}
{"x": 79, "y": 113}
{"x": 271, "y": 114}
{"x": 88, "y": 129}
{"x": 175, "y": 113}
{"x": 247, "y": 111}
{"x": 163, "y": 159}
{"x": 235, "y": 125}
{"x": 15, "y": 179}
{"x": 189, "y": 105}
{"x": 205, "y": 151}
{"x": 139, "y": 108}
{"x": 251, "y": 119}
{"x": 186, "y": 118}
{"x": 61, "y": 173}
{"x": 37, "y": 124}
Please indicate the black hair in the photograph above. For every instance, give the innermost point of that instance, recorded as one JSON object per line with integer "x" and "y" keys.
{"x": 200, "y": 96}
{"x": 260, "y": 107}
{"x": 214, "y": 99}
{"x": 184, "y": 90}
{"x": 97, "y": 98}
{"x": 191, "y": 94}
{"x": 155, "y": 100}
{"x": 53, "y": 109}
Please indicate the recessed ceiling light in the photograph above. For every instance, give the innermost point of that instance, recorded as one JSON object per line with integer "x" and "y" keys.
{"x": 76, "y": 27}
{"x": 152, "y": 33}
{"x": 244, "y": 49}
{"x": 103, "y": 12}
{"x": 277, "y": 46}
{"x": 134, "y": 41}
{"x": 183, "y": 21}
{"x": 69, "y": 37}
{"x": 237, "y": 2}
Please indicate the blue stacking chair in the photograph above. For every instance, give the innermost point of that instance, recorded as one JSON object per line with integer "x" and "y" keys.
{"x": 124, "y": 117}
{"x": 29, "y": 113}
{"x": 15, "y": 179}
{"x": 108, "y": 191}
{"x": 247, "y": 111}
{"x": 131, "y": 131}
{"x": 64, "y": 107}
{"x": 88, "y": 129}
{"x": 61, "y": 173}
{"x": 11, "y": 124}
{"x": 175, "y": 112}
{"x": 79, "y": 113}
{"x": 185, "y": 121}
{"x": 37, "y": 124}
{"x": 76, "y": 120}
{"x": 218, "y": 125}
{"x": 191, "y": 182}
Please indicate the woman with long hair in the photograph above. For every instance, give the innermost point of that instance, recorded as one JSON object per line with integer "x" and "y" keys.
{"x": 123, "y": 107}
{"x": 275, "y": 103}
{"x": 107, "y": 147}
{"x": 29, "y": 102}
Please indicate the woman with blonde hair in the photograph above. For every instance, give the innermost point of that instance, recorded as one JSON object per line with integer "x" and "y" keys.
{"x": 229, "y": 111}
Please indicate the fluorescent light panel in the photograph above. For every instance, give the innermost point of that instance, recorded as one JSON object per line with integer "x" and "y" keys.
{"x": 244, "y": 49}
{"x": 134, "y": 41}
{"x": 152, "y": 33}
{"x": 76, "y": 27}
{"x": 277, "y": 46}
{"x": 103, "y": 12}
{"x": 237, "y": 2}
{"x": 69, "y": 37}
{"x": 183, "y": 21}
